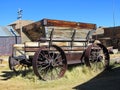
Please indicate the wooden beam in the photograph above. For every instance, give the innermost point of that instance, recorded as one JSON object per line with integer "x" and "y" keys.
{"x": 61, "y": 23}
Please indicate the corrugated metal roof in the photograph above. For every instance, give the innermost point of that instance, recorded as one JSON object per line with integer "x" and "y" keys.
{"x": 8, "y": 31}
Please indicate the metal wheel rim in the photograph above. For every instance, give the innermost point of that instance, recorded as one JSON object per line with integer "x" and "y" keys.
{"x": 53, "y": 64}
{"x": 16, "y": 66}
{"x": 95, "y": 64}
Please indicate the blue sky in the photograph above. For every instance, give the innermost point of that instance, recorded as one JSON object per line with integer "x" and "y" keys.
{"x": 99, "y": 12}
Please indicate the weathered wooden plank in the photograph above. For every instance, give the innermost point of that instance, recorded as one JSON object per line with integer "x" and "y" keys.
{"x": 73, "y": 49}
{"x": 61, "y": 23}
{"x": 34, "y": 31}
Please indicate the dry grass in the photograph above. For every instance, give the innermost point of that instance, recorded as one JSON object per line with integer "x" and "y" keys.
{"x": 76, "y": 77}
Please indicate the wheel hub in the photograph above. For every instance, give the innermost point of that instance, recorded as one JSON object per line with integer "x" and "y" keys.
{"x": 100, "y": 58}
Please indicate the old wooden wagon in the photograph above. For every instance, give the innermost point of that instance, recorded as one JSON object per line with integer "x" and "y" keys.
{"x": 55, "y": 45}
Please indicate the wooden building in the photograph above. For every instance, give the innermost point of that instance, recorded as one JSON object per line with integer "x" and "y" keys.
{"x": 17, "y": 26}
{"x": 8, "y": 37}
{"x": 109, "y": 37}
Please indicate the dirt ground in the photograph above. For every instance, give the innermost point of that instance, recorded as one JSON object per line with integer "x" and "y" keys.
{"x": 107, "y": 80}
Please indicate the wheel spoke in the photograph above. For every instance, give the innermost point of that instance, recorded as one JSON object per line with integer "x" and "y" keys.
{"x": 58, "y": 56}
{"x": 97, "y": 57}
{"x": 44, "y": 55}
{"x": 48, "y": 63}
{"x": 45, "y": 72}
{"x": 18, "y": 66}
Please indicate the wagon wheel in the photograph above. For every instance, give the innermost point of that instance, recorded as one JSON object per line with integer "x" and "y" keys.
{"x": 49, "y": 63}
{"x": 97, "y": 57}
{"x": 18, "y": 65}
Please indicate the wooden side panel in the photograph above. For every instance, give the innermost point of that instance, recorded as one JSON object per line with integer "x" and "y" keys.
{"x": 34, "y": 31}
{"x": 60, "y": 23}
